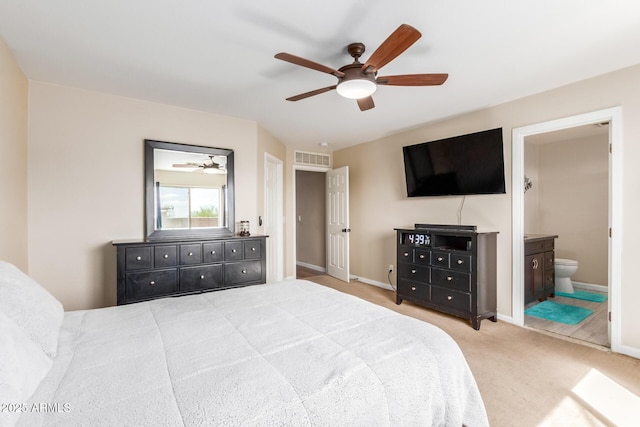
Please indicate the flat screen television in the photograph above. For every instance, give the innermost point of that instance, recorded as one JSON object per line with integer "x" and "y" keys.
{"x": 461, "y": 165}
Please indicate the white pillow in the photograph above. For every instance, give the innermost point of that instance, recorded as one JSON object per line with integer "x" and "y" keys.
{"x": 23, "y": 367}
{"x": 31, "y": 308}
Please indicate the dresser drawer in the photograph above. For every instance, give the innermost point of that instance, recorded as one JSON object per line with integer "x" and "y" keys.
{"x": 451, "y": 279}
{"x": 451, "y": 299}
{"x": 549, "y": 260}
{"x": 201, "y": 277}
{"x": 151, "y": 284}
{"x": 252, "y": 249}
{"x": 440, "y": 259}
{"x": 191, "y": 254}
{"x": 422, "y": 256}
{"x": 233, "y": 251}
{"x": 413, "y": 290}
{"x": 137, "y": 258}
{"x": 405, "y": 254}
{"x": 417, "y": 273}
{"x": 461, "y": 262}
{"x": 212, "y": 252}
{"x": 165, "y": 256}
{"x": 236, "y": 273}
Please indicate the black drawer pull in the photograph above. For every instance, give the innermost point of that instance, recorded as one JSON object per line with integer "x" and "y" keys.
{"x": 165, "y": 256}
{"x": 138, "y": 258}
{"x": 151, "y": 283}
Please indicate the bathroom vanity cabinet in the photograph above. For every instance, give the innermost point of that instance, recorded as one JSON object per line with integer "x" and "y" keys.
{"x": 539, "y": 270}
{"x": 448, "y": 268}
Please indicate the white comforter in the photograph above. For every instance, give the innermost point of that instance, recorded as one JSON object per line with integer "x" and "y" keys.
{"x": 293, "y": 353}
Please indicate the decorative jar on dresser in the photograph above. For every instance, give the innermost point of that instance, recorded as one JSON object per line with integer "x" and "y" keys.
{"x": 448, "y": 268}
{"x": 160, "y": 268}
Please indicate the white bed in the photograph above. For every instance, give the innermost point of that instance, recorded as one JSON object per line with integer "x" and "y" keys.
{"x": 291, "y": 353}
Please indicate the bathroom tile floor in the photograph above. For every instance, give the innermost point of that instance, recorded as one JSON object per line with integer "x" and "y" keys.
{"x": 593, "y": 329}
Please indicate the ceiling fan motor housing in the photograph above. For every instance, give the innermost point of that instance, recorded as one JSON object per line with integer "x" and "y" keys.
{"x": 356, "y": 84}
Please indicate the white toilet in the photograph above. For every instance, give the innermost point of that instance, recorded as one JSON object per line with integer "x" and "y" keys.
{"x": 564, "y": 269}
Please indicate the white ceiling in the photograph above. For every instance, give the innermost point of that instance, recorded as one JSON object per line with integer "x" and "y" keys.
{"x": 217, "y": 56}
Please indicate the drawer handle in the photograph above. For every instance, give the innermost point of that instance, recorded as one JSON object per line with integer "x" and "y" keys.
{"x": 421, "y": 256}
{"x": 253, "y": 249}
{"x": 413, "y": 288}
{"x": 213, "y": 252}
{"x": 449, "y": 297}
{"x": 244, "y": 271}
{"x": 460, "y": 262}
{"x": 440, "y": 258}
{"x": 165, "y": 256}
{"x": 449, "y": 278}
{"x": 234, "y": 251}
{"x": 413, "y": 272}
{"x": 202, "y": 277}
{"x": 151, "y": 283}
{"x": 138, "y": 258}
{"x": 190, "y": 253}
{"x": 406, "y": 254}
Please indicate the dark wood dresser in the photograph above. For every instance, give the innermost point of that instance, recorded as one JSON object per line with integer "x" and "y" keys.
{"x": 448, "y": 268}
{"x": 149, "y": 270}
{"x": 539, "y": 267}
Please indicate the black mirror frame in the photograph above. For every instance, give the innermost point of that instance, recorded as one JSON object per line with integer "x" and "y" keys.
{"x": 149, "y": 188}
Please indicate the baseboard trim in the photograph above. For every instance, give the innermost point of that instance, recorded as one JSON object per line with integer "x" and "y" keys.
{"x": 590, "y": 287}
{"x": 372, "y": 282}
{"x": 311, "y": 266}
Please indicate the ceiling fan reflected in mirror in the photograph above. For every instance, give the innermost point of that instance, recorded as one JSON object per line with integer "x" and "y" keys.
{"x": 207, "y": 166}
{"x": 359, "y": 81}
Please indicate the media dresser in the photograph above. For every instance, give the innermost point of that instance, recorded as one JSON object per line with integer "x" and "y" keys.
{"x": 448, "y": 268}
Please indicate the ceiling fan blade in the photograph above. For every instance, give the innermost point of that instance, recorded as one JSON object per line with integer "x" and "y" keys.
{"x": 312, "y": 93}
{"x": 366, "y": 103}
{"x": 307, "y": 63}
{"x": 413, "y": 80}
{"x": 399, "y": 41}
{"x": 185, "y": 165}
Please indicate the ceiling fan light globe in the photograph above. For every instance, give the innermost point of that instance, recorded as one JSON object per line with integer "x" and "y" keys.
{"x": 356, "y": 88}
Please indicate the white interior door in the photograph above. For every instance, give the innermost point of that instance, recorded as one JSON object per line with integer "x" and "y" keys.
{"x": 338, "y": 223}
{"x": 273, "y": 217}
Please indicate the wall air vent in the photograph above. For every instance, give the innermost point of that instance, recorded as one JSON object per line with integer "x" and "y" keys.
{"x": 312, "y": 159}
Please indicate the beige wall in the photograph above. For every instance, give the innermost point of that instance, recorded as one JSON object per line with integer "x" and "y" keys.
{"x": 571, "y": 183}
{"x": 379, "y": 203}
{"x": 86, "y": 180}
{"x": 13, "y": 161}
{"x": 310, "y": 218}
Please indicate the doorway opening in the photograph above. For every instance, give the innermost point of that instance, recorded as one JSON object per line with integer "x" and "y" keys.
{"x": 613, "y": 116}
{"x": 310, "y": 219}
{"x": 566, "y": 223}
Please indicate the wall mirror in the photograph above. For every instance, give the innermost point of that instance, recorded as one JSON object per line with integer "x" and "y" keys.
{"x": 189, "y": 191}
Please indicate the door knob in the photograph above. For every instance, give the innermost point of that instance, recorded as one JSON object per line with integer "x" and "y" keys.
{"x": 346, "y": 230}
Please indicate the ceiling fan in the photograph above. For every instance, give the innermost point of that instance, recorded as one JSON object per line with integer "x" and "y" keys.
{"x": 209, "y": 166}
{"x": 359, "y": 81}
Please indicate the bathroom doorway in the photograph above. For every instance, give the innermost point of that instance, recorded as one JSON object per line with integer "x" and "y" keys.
{"x": 614, "y": 208}
{"x": 566, "y": 209}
